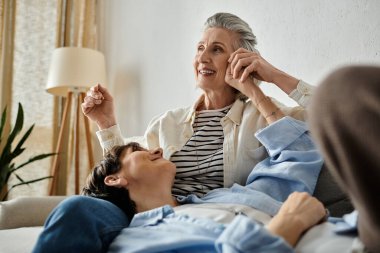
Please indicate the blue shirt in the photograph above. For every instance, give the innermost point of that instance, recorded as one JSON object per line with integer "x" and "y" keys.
{"x": 293, "y": 164}
{"x": 161, "y": 230}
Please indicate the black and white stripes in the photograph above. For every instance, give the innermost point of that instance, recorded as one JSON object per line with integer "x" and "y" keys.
{"x": 200, "y": 162}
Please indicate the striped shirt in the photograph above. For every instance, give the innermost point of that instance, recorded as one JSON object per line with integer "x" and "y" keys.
{"x": 200, "y": 162}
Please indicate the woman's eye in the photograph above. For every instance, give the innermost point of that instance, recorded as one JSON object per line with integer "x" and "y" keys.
{"x": 200, "y": 48}
{"x": 218, "y": 49}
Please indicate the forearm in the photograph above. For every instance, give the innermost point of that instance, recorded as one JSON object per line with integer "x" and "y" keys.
{"x": 285, "y": 82}
{"x": 264, "y": 105}
{"x": 269, "y": 110}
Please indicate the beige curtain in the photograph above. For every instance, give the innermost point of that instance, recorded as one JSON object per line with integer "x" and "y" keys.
{"x": 7, "y": 31}
{"x": 24, "y": 60}
{"x": 7, "y": 10}
{"x": 76, "y": 26}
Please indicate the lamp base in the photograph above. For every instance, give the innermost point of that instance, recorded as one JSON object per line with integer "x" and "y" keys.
{"x": 56, "y": 167}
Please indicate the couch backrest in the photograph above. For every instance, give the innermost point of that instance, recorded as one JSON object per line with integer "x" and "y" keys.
{"x": 27, "y": 211}
{"x": 330, "y": 194}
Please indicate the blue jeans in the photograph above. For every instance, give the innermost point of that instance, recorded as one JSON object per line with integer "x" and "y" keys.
{"x": 81, "y": 224}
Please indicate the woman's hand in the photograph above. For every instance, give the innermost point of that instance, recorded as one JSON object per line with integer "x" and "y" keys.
{"x": 298, "y": 213}
{"x": 264, "y": 105}
{"x": 98, "y": 106}
{"x": 244, "y": 63}
{"x": 306, "y": 208}
{"x": 248, "y": 87}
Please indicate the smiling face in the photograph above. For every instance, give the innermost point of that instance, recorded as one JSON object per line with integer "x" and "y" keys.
{"x": 210, "y": 62}
{"x": 144, "y": 167}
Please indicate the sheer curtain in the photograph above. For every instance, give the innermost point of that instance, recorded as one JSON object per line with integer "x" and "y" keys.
{"x": 29, "y": 32}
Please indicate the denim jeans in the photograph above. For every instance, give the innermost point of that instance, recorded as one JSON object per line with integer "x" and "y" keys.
{"x": 81, "y": 224}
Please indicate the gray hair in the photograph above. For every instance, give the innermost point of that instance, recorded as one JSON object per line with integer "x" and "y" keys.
{"x": 233, "y": 23}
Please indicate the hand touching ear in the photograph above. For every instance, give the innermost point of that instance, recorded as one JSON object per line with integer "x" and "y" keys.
{"x": 245, "y": 63}
{"x": 249, "y": 87}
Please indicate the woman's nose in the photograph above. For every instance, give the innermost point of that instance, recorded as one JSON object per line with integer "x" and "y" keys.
{"x": 203, "y": 56}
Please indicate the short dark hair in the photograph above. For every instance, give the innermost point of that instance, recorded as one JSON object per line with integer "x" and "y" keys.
{"x": 111, "y": 164}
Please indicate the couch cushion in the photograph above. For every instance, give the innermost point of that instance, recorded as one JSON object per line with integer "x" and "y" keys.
{"x": 19, "y": 240}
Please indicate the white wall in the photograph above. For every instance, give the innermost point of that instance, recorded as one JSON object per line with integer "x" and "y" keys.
{"x": 150, "y": 44}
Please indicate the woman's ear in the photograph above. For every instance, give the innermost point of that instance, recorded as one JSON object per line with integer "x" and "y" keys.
{"x": 115, "y": 181}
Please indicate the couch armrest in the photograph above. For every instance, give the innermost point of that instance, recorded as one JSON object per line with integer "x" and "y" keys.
{"x": 27, "y": 211}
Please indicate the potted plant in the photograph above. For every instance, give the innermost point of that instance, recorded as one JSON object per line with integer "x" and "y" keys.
{"x": 9, "y": 151}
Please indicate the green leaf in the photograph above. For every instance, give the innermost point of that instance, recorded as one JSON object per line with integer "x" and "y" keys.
{"x": 19, "y": 123}
{"x": 8, "y": 171}
{"x": 2, "y": 124}
{"x": 16, "y": 129}
{"x": 7, "y": 155}
{"x": 4, "y": 175}
{"x": 23, "y": 139}
{"x": 5, "y": 172}
{"x": 10, "y": 156}
{"x": 33, "y": 159}
{"x": 19, "y": 178}
{"x": 23, "y": 183}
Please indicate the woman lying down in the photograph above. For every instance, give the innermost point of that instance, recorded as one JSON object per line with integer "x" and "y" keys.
{"x": 139, "y": 182}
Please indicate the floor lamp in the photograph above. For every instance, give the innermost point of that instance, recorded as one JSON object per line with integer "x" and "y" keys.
{"x": 73, "y": 71}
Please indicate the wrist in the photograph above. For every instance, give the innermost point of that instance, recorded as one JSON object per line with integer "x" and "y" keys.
{"x": 288, "y": 227}
{"x": 269, "y": 110}
{"x": 104, "y": 124}
{"x": 255, "y": 94}
{"x": 285, "y": 82}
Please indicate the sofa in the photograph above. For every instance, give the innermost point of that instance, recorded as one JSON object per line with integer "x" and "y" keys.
{"x": 21, "y": 219}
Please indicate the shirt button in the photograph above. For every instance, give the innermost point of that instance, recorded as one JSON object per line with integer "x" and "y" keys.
{"x": 304, "y": 90}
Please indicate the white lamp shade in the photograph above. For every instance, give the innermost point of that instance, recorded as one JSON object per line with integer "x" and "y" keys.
{"x": 75, "y": 68}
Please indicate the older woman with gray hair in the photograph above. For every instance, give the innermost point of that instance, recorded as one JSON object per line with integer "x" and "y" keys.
{"x": 212, "y": 143}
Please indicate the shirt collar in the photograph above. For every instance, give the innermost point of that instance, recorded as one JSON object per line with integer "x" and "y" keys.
{"x": 191, "y": 114}
{"x": 235, "y": 113}
{"x": 151, "y": 217}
